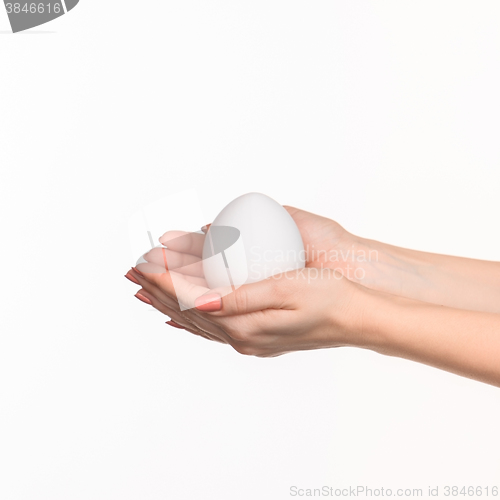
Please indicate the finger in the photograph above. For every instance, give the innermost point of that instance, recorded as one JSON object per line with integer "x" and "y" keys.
{"x": 170, "y": 307}
{"x": 183, "y": 242}
{"x": 270, "y": 293}
{"x": 194, "y": 331}
{"x": 155, "y": 291}
{"x": 164, "y": 280}
{"x": 175, "y": 285}
{"x": 149, "y": 268}
{"x": 169, "y": 300}
{"x": 247, "y": 330}
{"x": 147, "y": 272}
{"x": 182, "y": 320}
{"x": 174, "y": 324}
{"x": 199, "y": 327}
{"x": 170, "y": 260}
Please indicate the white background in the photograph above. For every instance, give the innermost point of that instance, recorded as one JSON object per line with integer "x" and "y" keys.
{"x": 381, "y": 115}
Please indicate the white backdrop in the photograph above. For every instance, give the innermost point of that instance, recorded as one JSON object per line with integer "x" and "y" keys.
{"x": 381, "y": 115}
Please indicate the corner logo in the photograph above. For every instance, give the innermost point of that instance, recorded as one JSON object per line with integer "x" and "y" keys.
{"x": 25, "y": 15}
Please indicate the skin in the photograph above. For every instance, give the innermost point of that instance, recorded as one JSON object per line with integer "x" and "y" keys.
{"x": 438, "y": 310}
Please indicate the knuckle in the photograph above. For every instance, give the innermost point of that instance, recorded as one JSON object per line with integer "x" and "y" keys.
{"x": 280, "y": 288}
{"x": 240, "y": 300}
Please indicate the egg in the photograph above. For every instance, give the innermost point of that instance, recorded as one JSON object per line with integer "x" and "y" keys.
{"x": 251, "y": 239}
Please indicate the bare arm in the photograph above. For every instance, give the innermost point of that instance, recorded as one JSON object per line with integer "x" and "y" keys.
{"x": 440, "y": 279}
{"x": 456, "y": 282}
{"x": 463, "y": 342}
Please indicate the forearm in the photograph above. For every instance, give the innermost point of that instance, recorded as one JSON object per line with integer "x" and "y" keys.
{"x": 463, "y": 342}
{"x": 439, "y": 279}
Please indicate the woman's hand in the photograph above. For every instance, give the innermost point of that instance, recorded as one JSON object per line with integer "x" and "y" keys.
{"x": 456, "y": 282}
{"x": 326, "y": 242}
{"x": 322, "y": 306}
{"x": 300, "y": 310}
{"x": 323, "y": 239}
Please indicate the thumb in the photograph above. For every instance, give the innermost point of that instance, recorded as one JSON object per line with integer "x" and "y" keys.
{"x": 266, "y": 294}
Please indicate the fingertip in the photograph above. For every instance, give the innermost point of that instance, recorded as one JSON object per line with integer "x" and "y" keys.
{"x": 132, "y": 278}
{"x": 147, "y": 270}
{"x": 171, "y": 235}
{"x": 138, "y": 272}
{"x": 174, "y": 324}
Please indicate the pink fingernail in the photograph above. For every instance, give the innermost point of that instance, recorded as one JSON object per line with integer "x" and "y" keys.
{"x": 174, "y": 324}
{"x": 144, "y": 299}
{"x": 131, "y": 278}
{"x": 210, "y": 302}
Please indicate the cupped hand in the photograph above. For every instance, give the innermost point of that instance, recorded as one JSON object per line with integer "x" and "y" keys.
{"x": 306, "y": 309}
{"x": 329, "y": 245}
{"x": 323, "y": 238}
{"x": 299, "y": 310}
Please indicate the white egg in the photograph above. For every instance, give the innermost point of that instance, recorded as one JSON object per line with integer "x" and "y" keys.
{"x": 253, "y": 238}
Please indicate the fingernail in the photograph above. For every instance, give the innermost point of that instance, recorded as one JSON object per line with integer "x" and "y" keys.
{"x": 209, "y": 303}
{"x": 174, "y": 324}
{"x": 144, "y": 299}
{"x": 131, "y": 278}
{"x": 138, "y": 272}
{"x": 205, "y": 228}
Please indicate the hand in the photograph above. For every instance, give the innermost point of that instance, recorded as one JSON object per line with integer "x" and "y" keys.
{"x": 183, "y": 254}
{"x": 324, "y": 239}
{"x": 185, "y": 281}
{"x": 300, "y": 310}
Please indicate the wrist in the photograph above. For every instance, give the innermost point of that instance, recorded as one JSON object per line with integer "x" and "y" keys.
{"x": 367, "y": 324}
{"x": 355, "y": 258}
{"x": 387, "y": 268}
